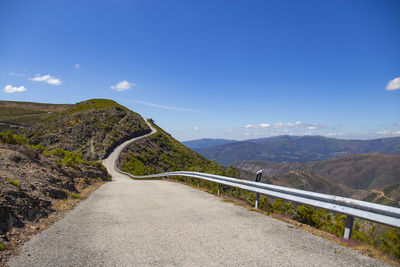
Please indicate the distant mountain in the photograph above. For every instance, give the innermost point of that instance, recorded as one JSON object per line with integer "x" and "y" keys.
{"x": 206, "y": 143}
{"x": 364, "y": 171}
{"x": 297, "y": 149}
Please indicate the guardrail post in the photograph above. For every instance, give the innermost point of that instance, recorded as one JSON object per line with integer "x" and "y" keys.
{"x": 185, "y": 180}
{"x": 198, "y": 183}
{"x": 219, "y": 189}
{"x": 349, "y": 227}
{"x": 257, "y": 200}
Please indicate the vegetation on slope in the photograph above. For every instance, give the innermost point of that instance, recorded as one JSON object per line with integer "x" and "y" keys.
{"x": 387, "y": 196}
{"x": 160, "y": 153}
{"x": 92, "y": 128}
{"x": 17, "y": 116}
{"x": 363, "y": 171}
{"x": 34, "y": 182}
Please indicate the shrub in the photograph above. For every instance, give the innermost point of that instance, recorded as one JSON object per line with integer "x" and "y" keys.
{"x": 2, "y": 247}
{"x": 39, "y": 147}
{"x": 58, "y": 152}
{"x": 13, "y": 182}
{"x": 12, "y": 139}
{"x": 75, "y": 195}
{"x": 391, "y": 242}
{"x": 305, "y": 214}
{"x": 58, "y": 163}
{"x": 72, "y": 159}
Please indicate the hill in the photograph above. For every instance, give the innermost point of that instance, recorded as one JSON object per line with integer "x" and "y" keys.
{"x": 92, "y": 128}
{"x": 160, "y": 153}
{"x": 17, "y": 116}
{"x": 298, "y": 149}
{"x": 363, "y": 171}
{"x": 206, "y": 143}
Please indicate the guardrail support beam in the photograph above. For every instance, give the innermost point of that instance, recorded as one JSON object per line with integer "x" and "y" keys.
{"x": 219, "y": 189}
{"x": 185, "y": 180}
{"x": 257, "y": 200}
{"x": 198, "y": 183}
{"x": 349, "y": 227}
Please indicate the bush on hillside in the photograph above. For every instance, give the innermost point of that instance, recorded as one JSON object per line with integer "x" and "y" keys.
{"x": 12, "y": 139}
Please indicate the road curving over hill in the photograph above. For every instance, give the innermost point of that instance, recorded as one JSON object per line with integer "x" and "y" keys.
{"x": 159, "y": 223}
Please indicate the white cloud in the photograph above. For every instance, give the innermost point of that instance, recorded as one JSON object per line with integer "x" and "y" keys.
{"x": 393, "y": 84}
{"x": 39, "y": 78}
{"x": 196, "y": 128}
{"x": 122, "y": 86}
{"x": 388, "y": 132}
{"x": 299, "y": 124}
{"x": 334, "y": 134}
{"x": 54, "y": 81}
{"x": 264, "y": 125}
{"x": 47, "y": 79}
{"x": 13, "y": 89}
{"x": 77, "y": 66}
{"x": 247, "y": 134}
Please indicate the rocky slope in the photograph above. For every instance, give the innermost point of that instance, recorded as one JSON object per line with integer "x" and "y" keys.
{"x": 93, "y": 128}
{"x": 30, "y": 182}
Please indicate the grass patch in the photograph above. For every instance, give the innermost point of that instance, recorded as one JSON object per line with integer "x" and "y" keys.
{"x": 2, "y": 247}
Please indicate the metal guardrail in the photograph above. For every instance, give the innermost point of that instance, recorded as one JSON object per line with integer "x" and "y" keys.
{"x": 351, "y": 207}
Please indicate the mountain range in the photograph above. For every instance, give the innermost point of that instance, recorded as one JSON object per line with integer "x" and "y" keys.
{"x": 293, "y": 148}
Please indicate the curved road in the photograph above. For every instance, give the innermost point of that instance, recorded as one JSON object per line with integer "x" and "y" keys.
{"x": 158, "y": 223}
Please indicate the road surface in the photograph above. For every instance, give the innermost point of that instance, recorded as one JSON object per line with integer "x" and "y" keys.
{"x": 159, "y": 223}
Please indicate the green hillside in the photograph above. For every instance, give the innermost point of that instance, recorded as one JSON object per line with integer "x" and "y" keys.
{"x": 160, "y": 153}
{"x": 92, "y": 128}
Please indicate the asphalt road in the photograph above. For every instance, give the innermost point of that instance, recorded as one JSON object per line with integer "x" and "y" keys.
{"x": 158, "y": 223}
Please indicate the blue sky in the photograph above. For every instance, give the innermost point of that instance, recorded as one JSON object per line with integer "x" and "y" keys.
{"x": 220, "y": 69}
